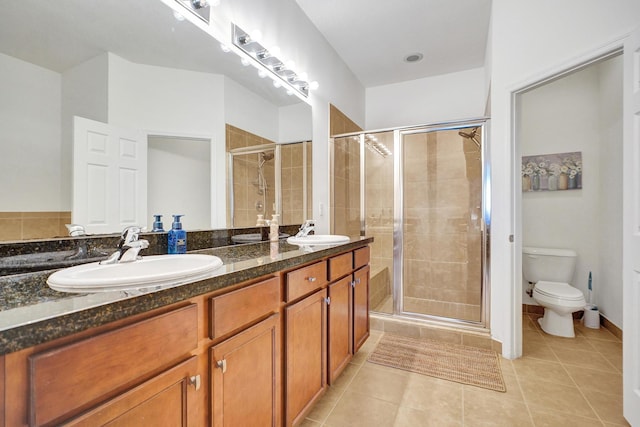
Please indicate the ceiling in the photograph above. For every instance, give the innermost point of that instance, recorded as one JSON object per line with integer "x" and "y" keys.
{"x": 59, "y": 35}
{"x": 374, "y": 37}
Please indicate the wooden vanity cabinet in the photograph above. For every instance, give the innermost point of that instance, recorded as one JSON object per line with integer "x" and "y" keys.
{"x": 360, "y": 307}
{"x": 245, "y": 377}
{"x": 119, "y": 376}
{"x": 305, "y": 354}
{"x": 245, "y": 368}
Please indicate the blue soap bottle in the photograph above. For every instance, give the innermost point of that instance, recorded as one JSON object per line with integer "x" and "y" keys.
{"x": 177, "y": 237}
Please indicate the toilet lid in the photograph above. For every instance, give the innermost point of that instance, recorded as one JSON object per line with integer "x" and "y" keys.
{"x": 559, "y": 290}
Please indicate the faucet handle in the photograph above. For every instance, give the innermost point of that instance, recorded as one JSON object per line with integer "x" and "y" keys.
{"x": 129, "y": 234}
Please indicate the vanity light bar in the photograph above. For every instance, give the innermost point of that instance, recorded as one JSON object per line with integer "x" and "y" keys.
{"x": 275, "y": 67}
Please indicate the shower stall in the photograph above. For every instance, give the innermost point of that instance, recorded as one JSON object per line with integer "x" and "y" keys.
{"x": 423, "y": 194}
{"x": 267, "y": 179}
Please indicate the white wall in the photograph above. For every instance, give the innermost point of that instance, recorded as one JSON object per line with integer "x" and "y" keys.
{"x": 179, "y": 174}
{"x": 172, "y": 102}
{"x": 566, "y": 115}
{"x": 250, "y": 112}
{"x": 430, "y": 100}
{"x": 30, "y": 124}
{"x": 529, "y": 41}
{"x": 295, "y": 123}
{"x": 84, "y": 94}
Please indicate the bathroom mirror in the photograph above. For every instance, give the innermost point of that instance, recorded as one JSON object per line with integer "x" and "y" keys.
{"x": 132, "y": 64}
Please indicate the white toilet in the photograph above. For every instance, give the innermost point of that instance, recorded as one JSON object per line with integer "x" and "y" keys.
{"x": 551, "y": 270}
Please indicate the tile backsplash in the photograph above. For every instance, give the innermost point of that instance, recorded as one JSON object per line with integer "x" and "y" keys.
{"x": 33, "y": 225}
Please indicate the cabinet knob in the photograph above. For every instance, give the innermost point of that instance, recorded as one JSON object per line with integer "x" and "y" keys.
{"x": 195, "y": 381}
{"x": 311, "y": 279}
{"x": 328, "y": 300}
{"x": 222, "y": 364}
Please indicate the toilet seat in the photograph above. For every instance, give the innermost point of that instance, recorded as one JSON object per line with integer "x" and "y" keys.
{"x": 558, "y": 290}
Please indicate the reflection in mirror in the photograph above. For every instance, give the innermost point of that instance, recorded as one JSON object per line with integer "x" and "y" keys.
{"x": 266, "y": 179}
{"x": 127, "y": 64}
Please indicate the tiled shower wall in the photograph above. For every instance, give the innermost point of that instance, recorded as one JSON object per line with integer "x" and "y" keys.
{"x": 292, "y": 182}
{"x": 245, "y": 179}
{"x": 442, "y": 227}
{"x": 345, "y": 175}
{"x": 379, "y": 223}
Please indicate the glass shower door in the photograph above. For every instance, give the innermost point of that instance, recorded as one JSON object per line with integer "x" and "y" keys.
{"x": 441, "y": 237}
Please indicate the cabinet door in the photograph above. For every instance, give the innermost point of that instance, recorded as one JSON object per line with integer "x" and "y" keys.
{"x": 340, "y": 326}
{"x": 306, "y": 354}
{"x": 164, "y": 400}
{"x": 360, "y": 307}
{"x": 246, "y": 377}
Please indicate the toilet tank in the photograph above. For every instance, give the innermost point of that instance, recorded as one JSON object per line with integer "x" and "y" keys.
{"x": 553, "y": 265}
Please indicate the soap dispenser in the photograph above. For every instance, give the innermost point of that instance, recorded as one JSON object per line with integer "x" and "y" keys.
{"x": 157, "y": 224}
{"x": 177, "y": 237}
{"x": 274, "y": 231}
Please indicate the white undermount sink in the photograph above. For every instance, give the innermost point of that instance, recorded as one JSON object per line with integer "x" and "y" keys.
{"x": 150, "y": 271}
{"x": 318, "y": 239}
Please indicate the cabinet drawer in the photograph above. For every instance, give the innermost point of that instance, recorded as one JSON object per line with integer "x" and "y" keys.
{"x": 340, "y": 265}
{"x": 361, "y": 257}
{"x": 71, "y": 378}
{"x": 241, "y": 307}
{"x": 306, "y": 280}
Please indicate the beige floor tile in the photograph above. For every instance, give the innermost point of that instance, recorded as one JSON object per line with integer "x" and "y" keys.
{"x": 591, "y": 379}
{"x": 538, "y": 350}
{"x": 506, "y": 366}
{"x": 346, "y": 377}
{"x": 325, "y": 405}
{"x": 432, "y": 394}
{"x": 600, "y": 334}
{"x": 485, "y": 410}
{"x": 532, "y": 335}
{"x": 585, "y": 359}
{"x": 542, "y": 395}
{"x": 577, "y": 343}
{"x": 409, "y": 417}
{"x": 355, "y": 410}
{"x": 555, "y": 419}
{"x": 528, "y": 368}
{"x": 380, "y": 382}
{"x": 511, "y": 383}
{"x": 607, "y": 406}
{"x": 309, "y": 423}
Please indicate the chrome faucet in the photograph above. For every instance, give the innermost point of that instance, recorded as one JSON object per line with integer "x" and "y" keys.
{"x": 306, "y": 228}
{"x": 128, "y": 247}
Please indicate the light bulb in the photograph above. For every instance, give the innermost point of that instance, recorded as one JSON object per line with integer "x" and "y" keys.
{"x": 256, "y": 36}
{"x": 225, "y": 48}
{"x": 314, "y": 85}
{"x": 262, "y": 74}
{"x": 290, "y": 65}
{"x": 244, "y": 61}
{"x": 289, "y": 92}
{"x": 303, "y": 76}
{"x": 276, "y": 83}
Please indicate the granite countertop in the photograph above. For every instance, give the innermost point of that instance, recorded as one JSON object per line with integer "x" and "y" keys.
{"x": 32, "y": 313}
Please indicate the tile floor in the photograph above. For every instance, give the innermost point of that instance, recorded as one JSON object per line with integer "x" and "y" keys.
{"x": 558, "y": 382}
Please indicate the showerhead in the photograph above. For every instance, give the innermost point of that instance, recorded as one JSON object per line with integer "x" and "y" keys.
{"x": 470, "y": 135}
{"x": 266, "y": 156}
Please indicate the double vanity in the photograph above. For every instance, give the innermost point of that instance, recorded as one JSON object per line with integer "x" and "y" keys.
{"x": 255, "y": 342}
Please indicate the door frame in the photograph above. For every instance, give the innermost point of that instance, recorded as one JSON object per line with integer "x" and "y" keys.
{"x": 512, "y": 345}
